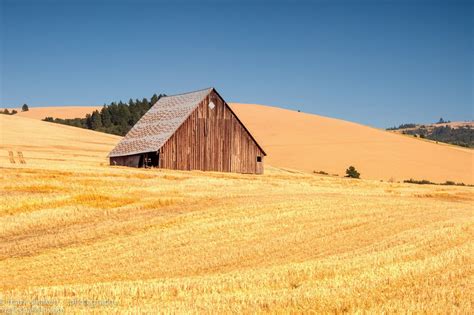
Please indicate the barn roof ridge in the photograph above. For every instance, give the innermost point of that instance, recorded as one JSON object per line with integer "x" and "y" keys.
{"x": 200, "y": 90}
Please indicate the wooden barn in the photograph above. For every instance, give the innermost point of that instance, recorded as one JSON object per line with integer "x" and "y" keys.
{"x": 190, "y": 131}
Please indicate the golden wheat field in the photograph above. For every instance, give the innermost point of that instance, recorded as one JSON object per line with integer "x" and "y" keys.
{"x": 79, "y": 236}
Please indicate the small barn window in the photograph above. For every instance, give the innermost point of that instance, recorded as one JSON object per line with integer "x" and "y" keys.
{"x": 212, "y": 105}
{"x": 259, "y": 159}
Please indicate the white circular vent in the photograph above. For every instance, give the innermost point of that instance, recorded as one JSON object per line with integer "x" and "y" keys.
{"x": 212, "y": 105}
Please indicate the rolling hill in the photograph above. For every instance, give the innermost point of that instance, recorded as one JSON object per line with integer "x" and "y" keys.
{"x": 79, "y": 236}
{"x": 56, "y": 111}
{"x": 315, "y": 143}
{"x": 44, "y": 143}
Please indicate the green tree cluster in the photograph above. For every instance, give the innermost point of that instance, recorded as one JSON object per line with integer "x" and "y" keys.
{"x": 115, "y": 118}
{"x": 403, "y": 126}
{"x": 461, "y": 136}
{"x": 352, "y": 172}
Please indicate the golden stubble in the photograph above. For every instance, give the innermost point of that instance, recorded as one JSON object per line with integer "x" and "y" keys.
{"x": 204, "y": 242}
{"x": 79, "y": 236}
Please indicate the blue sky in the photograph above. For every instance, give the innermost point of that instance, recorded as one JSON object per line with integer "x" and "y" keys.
{"x": 379, "y": 63}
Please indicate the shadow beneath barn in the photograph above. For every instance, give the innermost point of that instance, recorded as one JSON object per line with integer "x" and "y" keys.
{"x": 144, "y": 160}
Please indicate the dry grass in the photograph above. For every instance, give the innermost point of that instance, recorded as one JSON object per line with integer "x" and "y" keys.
{"x": 77, "y": 236}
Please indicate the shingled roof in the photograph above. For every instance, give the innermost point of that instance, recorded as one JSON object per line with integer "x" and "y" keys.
{"x": 158, "y": 124}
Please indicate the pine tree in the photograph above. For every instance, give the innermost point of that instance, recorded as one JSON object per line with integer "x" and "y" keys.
{"x": 113, "y": 110}
{"x": 88, "y": 121}
{"x": 96, "y": 120}
{"x": 154, "y": 99}
{"x": 106, "y": 117}
{"x": 123, "y": 116}
{"x": 146, "y": 105}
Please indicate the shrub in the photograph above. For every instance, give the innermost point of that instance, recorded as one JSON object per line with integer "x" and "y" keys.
{"x": 352, "y": 172}
{"x": 420, "y": 182}
{"x": 321, "y": 172}
{"x": 425, "y": 182}
{"x": 7, "y": 112}
{"x": 24, "y": 108}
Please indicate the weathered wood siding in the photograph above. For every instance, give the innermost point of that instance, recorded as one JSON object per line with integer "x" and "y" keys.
{"x": 212, "y": 140}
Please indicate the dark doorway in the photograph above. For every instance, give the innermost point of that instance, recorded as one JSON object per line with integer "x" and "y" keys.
{"x": 149, "y": 159}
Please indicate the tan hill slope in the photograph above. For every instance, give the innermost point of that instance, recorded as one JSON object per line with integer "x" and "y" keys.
{"x": 47, "y": 143}
{"x": 314, "y": 143}
{"x": 57, "y": 111}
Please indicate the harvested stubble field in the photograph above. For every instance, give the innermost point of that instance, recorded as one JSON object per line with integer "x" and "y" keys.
{"x": 79, "y": 236}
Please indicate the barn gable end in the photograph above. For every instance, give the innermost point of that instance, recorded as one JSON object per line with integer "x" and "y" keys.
{"x": 193, "y": 131}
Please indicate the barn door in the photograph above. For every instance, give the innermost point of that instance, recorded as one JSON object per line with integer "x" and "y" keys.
{"x": 259, "y": 169}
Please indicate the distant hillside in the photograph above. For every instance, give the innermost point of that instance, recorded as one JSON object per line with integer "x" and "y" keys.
{"x": 310, "y": 143}
{"x": 457, "y": 133}
{"x": 316, "y": 143}
{"x": 57, "y": 111}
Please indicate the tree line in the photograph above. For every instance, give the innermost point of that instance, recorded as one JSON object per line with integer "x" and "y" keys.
{"x": 412, "y": 125}
{"x": 115, "y": 118}
{"x": 462, "y": 136}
